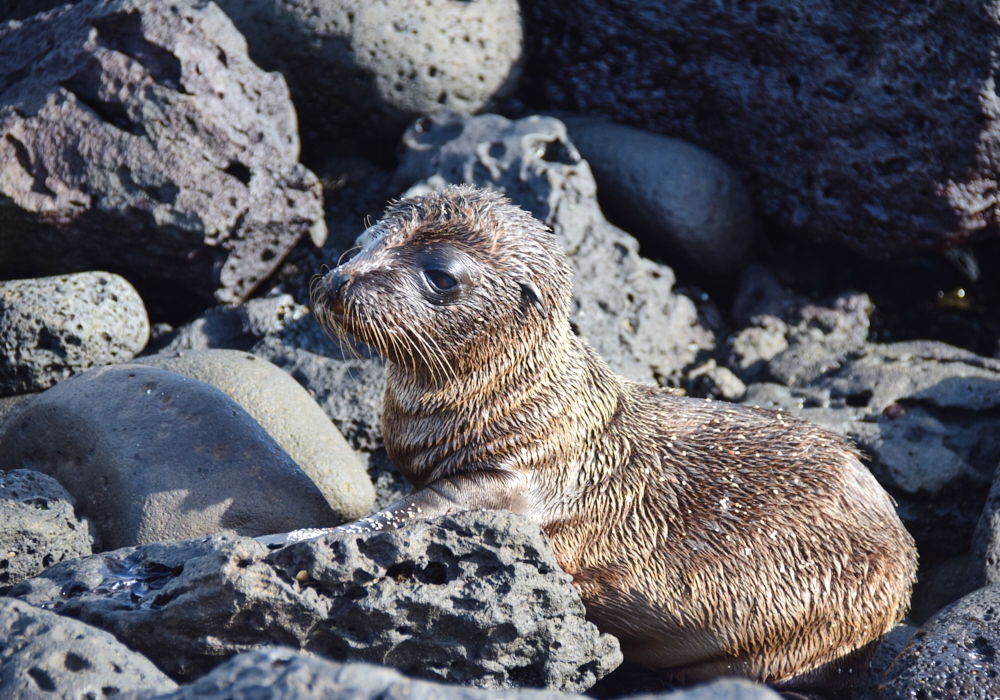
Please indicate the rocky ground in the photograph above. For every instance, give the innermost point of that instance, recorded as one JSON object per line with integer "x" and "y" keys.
{"x": 173, "y": 175}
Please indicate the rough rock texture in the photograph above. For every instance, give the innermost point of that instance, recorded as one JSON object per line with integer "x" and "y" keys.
{"x": 925, "y": 412}
{"x": 984, "y": 566}
{"x": 38, "y": 526}
{"x": 683, "y": 204}
{"x": 44, "y": 656}
{"x": 54, "y": 327}
{"x": 289, "y": 415}
{"x": 622, "y": 303}
{"x": 954, "y": 655}
{"x": 235, "y": 327}
{"x": 282, "y": 674}
{"x": 138, "y": 137}
{"x": 475, "y": 598}
{"x": 361, "y": 70}
{"x": 873, "y": 125}
{"x": 152, "y": 455}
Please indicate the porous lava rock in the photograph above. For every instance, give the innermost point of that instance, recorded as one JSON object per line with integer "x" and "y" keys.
{"x": 138, "y": 137}
{"x": 289, "y": 415}
{"x": 282, "y": 674}
{"x": 151, "y": 455}
{"x": 623, "y": 304}
{"x": 871, "y": 125}
{"x": 38, "y": 526}
{"x": 954, "y": 655}
{"x": 45, "y": 656}
{"x": 54, "y": 327}
{"x": 361, "y": 70}
{"x": 476, "y": 598}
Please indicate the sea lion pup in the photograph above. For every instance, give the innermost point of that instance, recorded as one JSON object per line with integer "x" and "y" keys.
{"x": 712, "y": 539}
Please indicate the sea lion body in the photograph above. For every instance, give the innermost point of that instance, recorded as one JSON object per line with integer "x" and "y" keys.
{"x": 711, "y": 539}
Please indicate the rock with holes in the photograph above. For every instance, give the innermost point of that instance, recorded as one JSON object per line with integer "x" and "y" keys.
{"x": 289, "y": 415}
{"x": 280, "y": 674}
{"x": 46, "y": 656}
{"x": 622, "y": 303}
{"x": 956, "y": 654}
{"x": 926, "y": 413}
{"x": 151, "y": 455}
{"x": 139, "y": 137}
{"x": 476, "y": 599}
{"x": 38, "y": 526}
{"x": 871, "y": 125}
{"x": 361, "y": 71}
{"x": 54, "y": 327}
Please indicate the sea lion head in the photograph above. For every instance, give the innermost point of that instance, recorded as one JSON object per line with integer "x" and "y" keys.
{"x": 450, "y": 283}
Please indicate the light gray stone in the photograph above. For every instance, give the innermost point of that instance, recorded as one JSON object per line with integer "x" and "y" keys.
{"x": 622, "y": 304}
{"x": 682, "y": 203}
{"x": 38, "y": 526}
{"x": 54, "y": 327}
{"x": 289, "y": 415}
{"x": 151, "y": 455}
{"x": 44, "y": 656}
{"x": 361, "y": 70}
{"x": 138, "y": 136}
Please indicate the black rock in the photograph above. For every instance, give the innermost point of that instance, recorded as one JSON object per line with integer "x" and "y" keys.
{"x": 866, "y": 124}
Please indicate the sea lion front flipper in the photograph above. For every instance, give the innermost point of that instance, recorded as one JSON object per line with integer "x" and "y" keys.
{"x": 467, "y": 491}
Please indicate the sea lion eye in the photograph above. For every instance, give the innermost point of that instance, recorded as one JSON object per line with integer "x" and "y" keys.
{"x": 441, "y": 281}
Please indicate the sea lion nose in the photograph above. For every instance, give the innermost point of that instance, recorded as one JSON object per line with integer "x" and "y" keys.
{"x": 337, "y": 284}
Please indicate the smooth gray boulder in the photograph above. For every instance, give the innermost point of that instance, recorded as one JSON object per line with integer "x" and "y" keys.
{"x": 54, "y": 327}
{"x": 954, "y": 655}
{"x": 38, "y": 526}
{"x": 622, "y": 303}
{"x": 360, "y": 71}
{"x": 475, "y": 598}
{"x": 682, "y": 203}
{"x": 138, "y": 136}
{"x": 45, "y": 656}
{"x": 151, "y": 455}
{"x": 289, "y": 415}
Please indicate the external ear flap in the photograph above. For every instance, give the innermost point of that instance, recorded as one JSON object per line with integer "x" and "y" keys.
{"x": 531, "y": 294}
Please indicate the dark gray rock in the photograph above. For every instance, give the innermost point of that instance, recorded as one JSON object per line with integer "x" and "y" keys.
{"x": 289, "y": 415}
{"x": 869, "y": 125}
{"x": 139, "y": 137}
{"x": 348, "y": 386}
{"x": 282, "y": 674}
{"x": 10, "y": 406}
{"x": 360, "y": 72}
{"x": 45, "y": 656}
{"x": 622, "y": 303}
{"x": 954, "y": 655}
{"x": 234, "y": 326}
{"x": 682, "y": 203}
{"x": 38, "y": 526}
{"x": 152, "y": 455}
{"x": 888, "y": 650}
{"x": 475, "y": 598}
{"x": 54, "y": 327}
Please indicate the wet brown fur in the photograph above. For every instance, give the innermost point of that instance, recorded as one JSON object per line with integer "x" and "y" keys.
{"x": 710, "y": 538}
